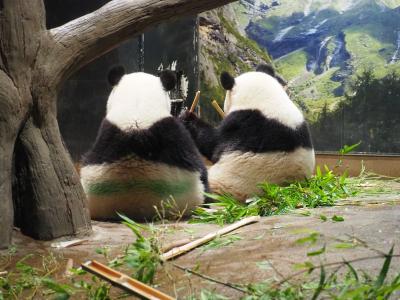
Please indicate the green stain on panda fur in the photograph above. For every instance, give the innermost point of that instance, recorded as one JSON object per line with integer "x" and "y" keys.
{"x": 160, "y": 188}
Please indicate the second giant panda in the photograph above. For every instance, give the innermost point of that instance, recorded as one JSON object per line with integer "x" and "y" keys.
{"x": 263, "y": 137}
{"x": 142, "y": 155}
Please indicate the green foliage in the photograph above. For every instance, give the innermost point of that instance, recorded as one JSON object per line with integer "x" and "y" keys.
{"x": 369, "y": 113}
{"x": 220, "y": 242}
{"x": 336, "y": 218}
{"x": 312, "y": 238}
{"x": 26, "y": 281}
{"x": 347, "y": 149}
{"x": 351, "y": 285}
{"x": 208, "y": 295}
{"x": 143, "y": 255}
{"x": 322, "y": 189}
{"x": 95, "y": 289}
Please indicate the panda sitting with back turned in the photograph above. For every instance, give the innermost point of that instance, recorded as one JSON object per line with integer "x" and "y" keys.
{"x": 142, "y": 155}
{"x": 263, "y": 137}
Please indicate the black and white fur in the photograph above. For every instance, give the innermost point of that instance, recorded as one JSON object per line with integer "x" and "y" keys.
{"x": 263, "y": 138}
{"x": 142, "y": 155}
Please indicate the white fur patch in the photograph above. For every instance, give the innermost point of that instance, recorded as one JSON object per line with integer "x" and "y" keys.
{"x": 238, "y": 173}
{"x": 257, "y": 90}
{"x": 139, "y": 202}
{"x": 137, "y": 102}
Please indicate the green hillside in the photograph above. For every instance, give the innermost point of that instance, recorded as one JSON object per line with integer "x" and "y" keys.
{"x": 320, "y": 46}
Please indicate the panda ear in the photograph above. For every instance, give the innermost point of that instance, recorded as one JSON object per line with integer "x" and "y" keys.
{"x": 227, "y": 81}
{"x": 281, "y": 80}
{"x": 168, "y": 79}
{"x": 268, "y": 69}
{"x": 115, "y": 75}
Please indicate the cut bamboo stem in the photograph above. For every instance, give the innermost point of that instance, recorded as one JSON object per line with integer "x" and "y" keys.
{"x": 196, "y": 243}
{"x": 219, "y": 110}
{"x": 68, "y": 267}
{"x": 195, "y": 102}
{"x": 175, "y": 244}
{"x": 121, "y": 280}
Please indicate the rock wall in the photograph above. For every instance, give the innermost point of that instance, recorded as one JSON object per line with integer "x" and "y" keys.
{"x": 224, "y": 47}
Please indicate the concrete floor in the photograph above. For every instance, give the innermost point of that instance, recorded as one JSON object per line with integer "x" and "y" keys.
{"x": 267, "y": 249}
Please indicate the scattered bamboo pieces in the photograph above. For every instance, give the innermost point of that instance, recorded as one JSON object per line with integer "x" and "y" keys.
{"x": 68, "y": 267}
{"x": 195, "y": 102}
{"x": 125, "y": 282}
{"x": 219, "y": 110}
{"x": 67, "y": 244}
{"x": 3, "y": 273}
{"x": 196, "y": 243}
{"x": 175, "y": 244}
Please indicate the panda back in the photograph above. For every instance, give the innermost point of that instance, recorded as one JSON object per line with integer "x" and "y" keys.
{"x": 250, "y": 131}
{"x": 166, "y": 141}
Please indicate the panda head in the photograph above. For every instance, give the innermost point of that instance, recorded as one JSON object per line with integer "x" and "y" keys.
{"x": 138, "y": 100}
{"x": 260, "y": 90}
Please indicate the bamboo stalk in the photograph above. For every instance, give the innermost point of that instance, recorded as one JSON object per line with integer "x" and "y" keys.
{"x": 196, "y": 243}
{"x": 219, "y": 110}
{"x": 195, "y": 101}
{"x": 134, "y": 286}
{"x": 68, "y": 267}
{"x": 175, "y": 244}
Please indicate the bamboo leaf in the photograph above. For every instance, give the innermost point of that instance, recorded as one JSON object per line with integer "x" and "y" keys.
{"x": 385, "y": 268}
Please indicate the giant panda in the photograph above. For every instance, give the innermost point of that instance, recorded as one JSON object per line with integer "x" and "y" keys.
{"x": 142, "y": 155}
{"x": 263, "y": 137}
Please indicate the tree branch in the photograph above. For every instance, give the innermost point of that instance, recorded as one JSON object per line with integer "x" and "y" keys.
{"x": 88, "y": 37}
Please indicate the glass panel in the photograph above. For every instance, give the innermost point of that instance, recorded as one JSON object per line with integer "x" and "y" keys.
{"x": 82, "y": 100}
{"x": 341, "y": 59}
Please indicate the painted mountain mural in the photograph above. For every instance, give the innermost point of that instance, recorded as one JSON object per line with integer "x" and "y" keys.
{"x": 320, "y": 45}
{"x": 342, "y": 61}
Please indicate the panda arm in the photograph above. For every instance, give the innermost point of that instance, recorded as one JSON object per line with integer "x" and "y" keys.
{"x": 203, "y": 134}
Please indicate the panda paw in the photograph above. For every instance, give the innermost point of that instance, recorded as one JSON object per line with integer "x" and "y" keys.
{"x": 188, "y": 117}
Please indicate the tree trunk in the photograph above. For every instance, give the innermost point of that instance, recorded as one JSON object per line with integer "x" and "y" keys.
{"x": 6, "y": 207}
{"x": 9, "y": 124}
{"x": 49, "y": 193}
{"x": 38, "y": 182}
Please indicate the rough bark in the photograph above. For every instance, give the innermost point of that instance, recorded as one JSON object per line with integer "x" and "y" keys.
{"x": 48, "y": 199}
{"x": 8, "y": 133}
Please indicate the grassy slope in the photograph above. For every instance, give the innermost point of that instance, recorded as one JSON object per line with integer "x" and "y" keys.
{"x": 293, "y": 64}
{"x": 368, "y": 51}
{"x": 369, "y": 41}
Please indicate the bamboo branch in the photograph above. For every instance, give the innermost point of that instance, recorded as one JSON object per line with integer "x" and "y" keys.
{"x": 195, "y": 101}
{"x": 219, "y": 110}
{"x": 196, "y": 243}
{"x": 206, "y": 277}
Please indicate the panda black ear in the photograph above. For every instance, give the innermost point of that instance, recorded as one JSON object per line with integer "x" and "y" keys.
{"x": 115, "y": 75}
{"x": 168, "y": 79}
{"x": 268, "y": 69}
{"x": 281, "y": 80}
{"x": 227, "y": 81}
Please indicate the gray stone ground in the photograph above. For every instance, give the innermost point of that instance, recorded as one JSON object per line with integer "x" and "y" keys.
{"x": 263, "y": 250}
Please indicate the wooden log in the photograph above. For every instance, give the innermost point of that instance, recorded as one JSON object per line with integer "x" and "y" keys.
{"x": 196, "y": 243}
